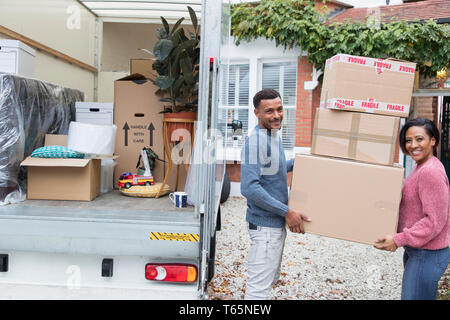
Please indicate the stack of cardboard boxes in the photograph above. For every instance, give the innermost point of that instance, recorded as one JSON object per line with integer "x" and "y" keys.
{"x": 349, "y": 186}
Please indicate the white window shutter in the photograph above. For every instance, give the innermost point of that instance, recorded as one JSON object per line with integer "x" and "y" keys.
{"x": 234, "y": 104}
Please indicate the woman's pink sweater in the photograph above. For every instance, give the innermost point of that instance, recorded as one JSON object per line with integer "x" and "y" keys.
{"x": 424, "y": 209}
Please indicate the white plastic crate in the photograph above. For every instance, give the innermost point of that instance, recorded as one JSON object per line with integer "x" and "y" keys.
{"x": 94, "y": 112}
{"x": 16, "y": 58}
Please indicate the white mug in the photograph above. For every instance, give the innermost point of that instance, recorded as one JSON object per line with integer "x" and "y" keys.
{"x": 179, "y": 199}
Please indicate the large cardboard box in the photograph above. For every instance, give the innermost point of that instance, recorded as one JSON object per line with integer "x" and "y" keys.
{"x": 346, "y": 199}
{"x": 140, "y": 124}
{"x": 354, "y": 135}
{"x": 62, "y": 179}
{"x": 368, "y": 85}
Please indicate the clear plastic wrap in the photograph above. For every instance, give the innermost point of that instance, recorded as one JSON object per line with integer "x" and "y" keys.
{"x": 194, "y": 161}
{"x": 29, "y": 109}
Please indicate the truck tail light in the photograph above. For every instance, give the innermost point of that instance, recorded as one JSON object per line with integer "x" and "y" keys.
{"x": 171, "y": 272}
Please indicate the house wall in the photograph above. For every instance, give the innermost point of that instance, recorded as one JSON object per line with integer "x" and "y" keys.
{"x": 307, "y": 100}
{"x": 254, "y": 53}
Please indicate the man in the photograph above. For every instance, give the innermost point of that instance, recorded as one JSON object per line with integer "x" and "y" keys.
{"x": 264, "y": 183}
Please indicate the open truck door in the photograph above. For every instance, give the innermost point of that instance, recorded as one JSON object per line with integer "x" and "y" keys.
{"x": 214, "y": 40}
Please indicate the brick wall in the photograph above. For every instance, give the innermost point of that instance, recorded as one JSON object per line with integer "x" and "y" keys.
{"x": 304, "y": 113}
{"x": 307, "y": 103}
{"x": 234, "y": 171}
{"x": 423, "y": 107}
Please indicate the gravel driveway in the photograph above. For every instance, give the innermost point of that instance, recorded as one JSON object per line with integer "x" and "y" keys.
{"x": 313, "y": 267}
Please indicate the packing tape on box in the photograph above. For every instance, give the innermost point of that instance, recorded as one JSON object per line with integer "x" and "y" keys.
{"x": 92, "y": 139}
{"x": 379, "y": 65}
{"x": 367, "y": 106}
{"x": 354, "y": 136}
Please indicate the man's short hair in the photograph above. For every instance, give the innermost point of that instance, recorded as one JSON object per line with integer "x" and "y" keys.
{"x": 265, "y": 94}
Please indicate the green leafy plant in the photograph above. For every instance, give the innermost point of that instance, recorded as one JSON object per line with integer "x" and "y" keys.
{"x": 177, "y": 54}
{"x": 297, "y": 23}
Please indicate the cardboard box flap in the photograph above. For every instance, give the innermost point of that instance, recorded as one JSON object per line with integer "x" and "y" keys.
{"x": 56, "y": 140}
{"x": 104, "y": 157}
{"x": 47, "y": 162}
{"x": 134, "y": 76}
{"x": 142, "y": 66}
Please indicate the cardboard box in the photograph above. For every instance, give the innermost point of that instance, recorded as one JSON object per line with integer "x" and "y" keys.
{"x": 143, "y": 67}
{"x": 62, "y": 179}
{"x": 140, "y": 124}
{"x": 354, "y": 135}
{"x": 346, "y": 199}
{"x": 368, "y": 85}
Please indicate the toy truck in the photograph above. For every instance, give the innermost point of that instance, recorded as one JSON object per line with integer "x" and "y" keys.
{"x": 127, "y": 179}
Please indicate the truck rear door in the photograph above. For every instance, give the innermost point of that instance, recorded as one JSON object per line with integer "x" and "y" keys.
{"x": 215, "y": 37}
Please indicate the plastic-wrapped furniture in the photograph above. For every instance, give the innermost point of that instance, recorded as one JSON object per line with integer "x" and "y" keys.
{"x": 29, "y": 109}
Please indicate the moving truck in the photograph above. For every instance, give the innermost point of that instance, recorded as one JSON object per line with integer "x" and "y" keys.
{"x": 118, "y": 247}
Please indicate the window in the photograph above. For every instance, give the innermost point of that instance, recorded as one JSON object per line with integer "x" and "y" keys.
{"x": 236, "y": 95}
{"x": 234, "y": 102}
{"x": 282, "y": 76}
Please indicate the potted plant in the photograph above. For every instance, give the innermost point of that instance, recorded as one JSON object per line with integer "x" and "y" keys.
{"x": 177, "y": 54}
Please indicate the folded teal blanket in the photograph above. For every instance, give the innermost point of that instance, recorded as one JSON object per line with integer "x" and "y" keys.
{"x": 56, "y": 152}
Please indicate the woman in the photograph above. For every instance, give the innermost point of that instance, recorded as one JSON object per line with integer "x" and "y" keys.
{"x": 423, "y": 226}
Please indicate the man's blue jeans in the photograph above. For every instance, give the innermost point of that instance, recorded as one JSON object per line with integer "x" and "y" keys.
{"x": 423, "y": 270}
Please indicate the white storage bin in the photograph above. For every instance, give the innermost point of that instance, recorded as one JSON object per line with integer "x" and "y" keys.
{"x": 16, "y": 58}
{"x": 94, "y": 112}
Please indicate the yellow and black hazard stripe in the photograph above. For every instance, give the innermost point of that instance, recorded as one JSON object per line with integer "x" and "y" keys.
{"x": 174, "y": 236}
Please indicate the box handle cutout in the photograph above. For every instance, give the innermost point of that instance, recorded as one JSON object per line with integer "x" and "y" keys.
{"x": 139, "y": 115}
{"x": 94, "y": 110}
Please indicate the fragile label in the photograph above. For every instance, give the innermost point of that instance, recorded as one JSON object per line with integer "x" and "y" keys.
{"x": 369, "y": 105}
{"x": 380, "y": 65}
